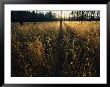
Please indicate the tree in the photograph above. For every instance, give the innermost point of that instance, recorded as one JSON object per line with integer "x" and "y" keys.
{"x": 72, "y": 13}
{"x": 61, "y": 20}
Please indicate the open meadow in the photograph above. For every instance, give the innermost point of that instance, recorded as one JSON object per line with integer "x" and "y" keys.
{"x": 51, "y": 49}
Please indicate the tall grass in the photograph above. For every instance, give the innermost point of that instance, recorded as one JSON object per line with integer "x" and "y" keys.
{"x": 43, "y": 49}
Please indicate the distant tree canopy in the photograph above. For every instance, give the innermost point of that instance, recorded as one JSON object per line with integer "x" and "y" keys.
{"x": 36, "y": 16}
{"x": 85, "y": 16}
{"x": 27, "y": 16}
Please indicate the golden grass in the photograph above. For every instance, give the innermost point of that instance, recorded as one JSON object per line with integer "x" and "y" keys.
{"x": 35, "y": 48}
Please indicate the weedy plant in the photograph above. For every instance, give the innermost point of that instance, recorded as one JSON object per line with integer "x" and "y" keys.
{"x": 44, "y": 49}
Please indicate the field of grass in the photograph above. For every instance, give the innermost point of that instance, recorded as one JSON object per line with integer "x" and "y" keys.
{"x": 49, "y": 49}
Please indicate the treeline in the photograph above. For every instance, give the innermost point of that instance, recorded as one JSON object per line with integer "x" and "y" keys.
{"x": 84, "y": 16}
{"x": 39, "y": 16}
{"x": 27, "y": 16}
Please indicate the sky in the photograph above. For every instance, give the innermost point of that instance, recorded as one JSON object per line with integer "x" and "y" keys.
{"x": 65, "y": 14}
{"x": 58, "y": 13}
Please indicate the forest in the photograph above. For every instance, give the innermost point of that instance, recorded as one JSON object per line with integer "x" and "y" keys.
{"x": 36, "y": 16}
